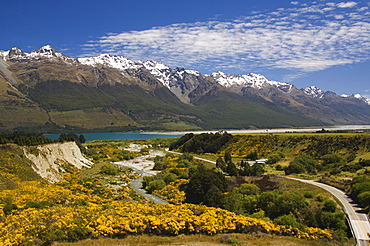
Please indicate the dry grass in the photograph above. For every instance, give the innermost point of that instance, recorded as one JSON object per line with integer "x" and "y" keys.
{"x": 201, "y": 240}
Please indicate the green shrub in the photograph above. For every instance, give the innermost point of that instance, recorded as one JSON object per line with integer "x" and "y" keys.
{"x": 109, "y": 169}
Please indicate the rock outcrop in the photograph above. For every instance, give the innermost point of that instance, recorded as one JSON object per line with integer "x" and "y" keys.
{"x": 51, "y": 160}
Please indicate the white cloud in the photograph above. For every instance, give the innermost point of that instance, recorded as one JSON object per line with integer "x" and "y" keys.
{"x": 347, "y": 4}
{"x": 295, "y": 2}
{"x": 339, "y": 17}
{"x": 303, "y": 39}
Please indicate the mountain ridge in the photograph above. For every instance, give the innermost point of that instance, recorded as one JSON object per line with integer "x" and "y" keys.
{"x": 161, "y": 71}
{"x": 114, "y": 92}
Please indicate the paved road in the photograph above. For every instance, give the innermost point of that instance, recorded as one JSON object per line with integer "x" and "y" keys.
{"x": 198, "y": 158}
{"x": 357, "y": 218}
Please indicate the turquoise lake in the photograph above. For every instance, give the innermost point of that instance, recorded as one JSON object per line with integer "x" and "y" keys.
{"x": 119, "y": 135}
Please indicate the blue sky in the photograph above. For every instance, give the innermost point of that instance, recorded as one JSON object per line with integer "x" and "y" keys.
{"x": 322, "y": 43}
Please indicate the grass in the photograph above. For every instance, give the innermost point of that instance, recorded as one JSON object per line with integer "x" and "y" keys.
{"x": 180, "y": 126}
{"x": 201, "y": 240}
{"x": 91, "y": 118}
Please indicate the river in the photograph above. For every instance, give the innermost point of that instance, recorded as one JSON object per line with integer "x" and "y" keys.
{"x": 144, "y": 167}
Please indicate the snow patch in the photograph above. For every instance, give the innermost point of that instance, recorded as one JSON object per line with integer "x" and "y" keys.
{"x": 313, "y": 91}
{"x": 248, "y": 80}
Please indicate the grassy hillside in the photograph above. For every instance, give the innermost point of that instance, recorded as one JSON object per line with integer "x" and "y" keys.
{"x": 14, "y": 167}
{"x": 55, "y": 96}
{"x": 229, "y": 110}
{"x": 18, "y": 110}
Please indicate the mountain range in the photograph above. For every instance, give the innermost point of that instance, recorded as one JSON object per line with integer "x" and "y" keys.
{"x": 47, "y": 91}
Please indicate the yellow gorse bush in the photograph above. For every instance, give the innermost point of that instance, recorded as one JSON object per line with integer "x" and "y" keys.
{"x": 117, "y": 219}
{"x": 74, "y": 213}
{"x": 172, "y": 193}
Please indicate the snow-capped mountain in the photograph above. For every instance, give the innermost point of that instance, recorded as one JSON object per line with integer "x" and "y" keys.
{"x": 162, "y": 72}
{"x": 248, "y": 80}
{"x": 182, "y": 82}
{"x": 119, "y": 62}
{"x": 358, "y": 96}
{"x": 313, "y": 91}
{"x": 174, "y": 79}
{"x": 114, "y": 91}
{"x": 44, "y": 52}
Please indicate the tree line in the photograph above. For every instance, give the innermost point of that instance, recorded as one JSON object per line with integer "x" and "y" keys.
{"x": 31, "y": 139}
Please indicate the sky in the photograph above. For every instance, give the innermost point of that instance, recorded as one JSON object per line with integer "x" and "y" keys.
{"x": 325, "y": 43}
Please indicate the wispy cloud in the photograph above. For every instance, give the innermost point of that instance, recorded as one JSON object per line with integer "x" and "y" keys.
{"x": 303, "y": 38}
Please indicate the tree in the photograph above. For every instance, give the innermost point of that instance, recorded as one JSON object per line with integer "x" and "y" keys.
{"x": 231, "y": 169}
{"x": 200, "y": 183}
{"x": 358, "y": 188}
{"x": 333, "y": 221}
{"x": 221, "y": 164}
{"x": 227, "y": 157}
{"x": 364, "y": 199}
{"x": 233, "y": 201}
{"x": 252, "y": 156}
{"x": 301, "y": 164}
{"x": 277, "y": 203}
{"x": 273, "y": 158}
{"x": 81, "y": 138}
{"x": 257, "y": 169}
{"x": 294, "y": 168}
{"x": 330, "y": 206}
{"x": 147, "y": 180}
{"x": 186, "y": 156}
{"x": 333, "y": 160}
{"x": 213, "y": 197}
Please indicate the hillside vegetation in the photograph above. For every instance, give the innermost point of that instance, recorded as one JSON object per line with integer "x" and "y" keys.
{"x": 97, "y": 202}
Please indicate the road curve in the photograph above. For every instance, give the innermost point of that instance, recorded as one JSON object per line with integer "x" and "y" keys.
{"x": 198, "y": 158}
{"x": 356, "y": 217}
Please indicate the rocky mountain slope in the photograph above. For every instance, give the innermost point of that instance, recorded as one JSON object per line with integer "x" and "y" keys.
{"x": 48, "y": 91}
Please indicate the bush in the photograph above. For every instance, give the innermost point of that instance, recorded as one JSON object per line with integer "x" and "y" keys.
{"x": 319, "y": 197}
{"x": 330, "y": 206}
{"x": 170, "y": 177}
{"x": 301, "y": 164}
{"x": 308, "y": 194}
{"x": 279, "y": 167}
{"x": 248, "y": 189}
{"x": 288, "y": 220}
{"x": 156, "y": 185}
{"x": 273, "y": 158}
{"x": 109, "y": 169}
{"x": 224, "y": 238}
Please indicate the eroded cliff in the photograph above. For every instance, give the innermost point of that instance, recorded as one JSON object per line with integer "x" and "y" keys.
{"x": 51, "y": 160}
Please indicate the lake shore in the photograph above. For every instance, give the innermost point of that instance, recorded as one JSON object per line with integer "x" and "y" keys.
{"x": 275, "y": 130}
